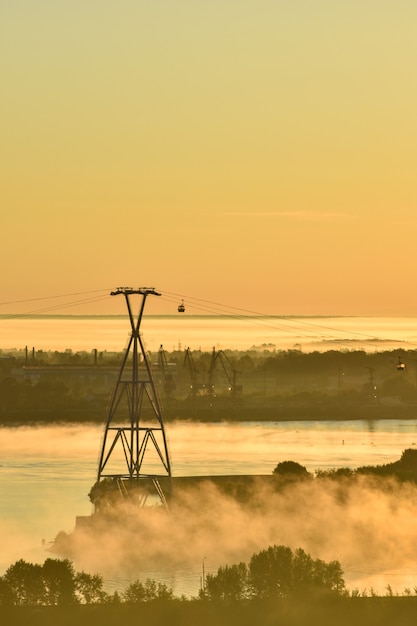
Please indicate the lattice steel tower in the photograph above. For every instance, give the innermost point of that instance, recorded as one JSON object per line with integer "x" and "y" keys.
{"x": 134, "y": 455}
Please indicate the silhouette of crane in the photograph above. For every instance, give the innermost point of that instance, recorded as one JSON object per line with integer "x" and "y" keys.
{"x": 168, "y": 383}
{"x": 228, "y": 369}
{"x": 196, "y": 387}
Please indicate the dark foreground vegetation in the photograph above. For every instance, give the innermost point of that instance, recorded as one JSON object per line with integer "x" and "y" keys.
{"x": 278, "y": 586}
{"x": 219, "y": 385}
{"x": 276, "y": 572}
{"x": 396, "y": 611}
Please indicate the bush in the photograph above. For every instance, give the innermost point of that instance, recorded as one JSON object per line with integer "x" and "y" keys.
{"x": 291, "y": 469}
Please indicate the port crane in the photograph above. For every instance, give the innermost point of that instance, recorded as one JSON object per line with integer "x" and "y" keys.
{"x": 228, "y": 369}
{"x": 196, "y": 388}
{"x": 168, "y": 383}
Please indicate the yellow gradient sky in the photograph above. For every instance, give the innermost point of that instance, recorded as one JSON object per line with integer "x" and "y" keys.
{"x": 257, "y": 153}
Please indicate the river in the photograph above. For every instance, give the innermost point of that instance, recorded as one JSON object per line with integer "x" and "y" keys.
{"x": 46, "y": 473}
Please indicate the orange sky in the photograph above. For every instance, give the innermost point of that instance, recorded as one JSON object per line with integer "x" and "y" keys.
{"x": 257, "y": 154}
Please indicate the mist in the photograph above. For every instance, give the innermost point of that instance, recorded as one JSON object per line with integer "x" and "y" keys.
{"x": 366, "y": 524}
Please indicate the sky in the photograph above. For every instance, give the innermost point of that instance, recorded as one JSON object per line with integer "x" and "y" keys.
{"x": 260, "y": 154}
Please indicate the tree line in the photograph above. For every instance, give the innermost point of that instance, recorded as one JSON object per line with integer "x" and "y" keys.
{"x": 276, "y": 572}
{"x": 57, "y": 583}
{"x": 405, "y": 469}
{"x": 268, "y": 384}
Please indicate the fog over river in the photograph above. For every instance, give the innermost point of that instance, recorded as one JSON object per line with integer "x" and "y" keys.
{"x": 46, "y": 473}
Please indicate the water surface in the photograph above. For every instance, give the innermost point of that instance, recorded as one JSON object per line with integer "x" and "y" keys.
{"x": 46, "y": 472}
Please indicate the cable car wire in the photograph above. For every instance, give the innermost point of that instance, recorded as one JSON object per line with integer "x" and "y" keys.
{"x": 66, "y": 295}
{"x": 206, "y": 307}
{"x": 261, "y": 319}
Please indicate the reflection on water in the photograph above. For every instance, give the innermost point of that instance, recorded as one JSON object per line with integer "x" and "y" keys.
{"x": 47, "y": 472}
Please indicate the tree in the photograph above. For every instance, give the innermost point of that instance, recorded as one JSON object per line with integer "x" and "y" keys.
{"x": 146, "y": 592}
{"x": 134, "y": 593}
{"x": 230, "y": 583}
{"x": 329, "y": 576}
{"x": 89, "y": 588}
{"x": 26, "y": 584}
{"x": 276, "y": 572}
{"x": 59, "y": 581}
{"x": 291, "y": 469}
{"x": 6, "y": 594}
{"x": 270, "y": 572}
{"x": 314, "y": 574}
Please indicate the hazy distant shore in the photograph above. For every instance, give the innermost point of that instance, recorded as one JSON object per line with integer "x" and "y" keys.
{"x": 234, "y": 386}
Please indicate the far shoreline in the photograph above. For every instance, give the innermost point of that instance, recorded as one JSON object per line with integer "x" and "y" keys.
{"x": 267, "y": 415}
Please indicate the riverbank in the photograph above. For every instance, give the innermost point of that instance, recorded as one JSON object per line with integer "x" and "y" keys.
{"x": 245, "y": 411}
{"x": 245, "y": 488}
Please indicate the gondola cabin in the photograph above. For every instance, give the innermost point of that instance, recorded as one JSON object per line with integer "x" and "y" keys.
{"x": 181, "y": 307}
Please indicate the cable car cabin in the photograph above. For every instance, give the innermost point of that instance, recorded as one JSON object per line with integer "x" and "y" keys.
{"x": 181, "y": 307}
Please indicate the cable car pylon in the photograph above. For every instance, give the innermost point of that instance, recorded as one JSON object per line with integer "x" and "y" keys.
{"x": 134, "y": 455}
